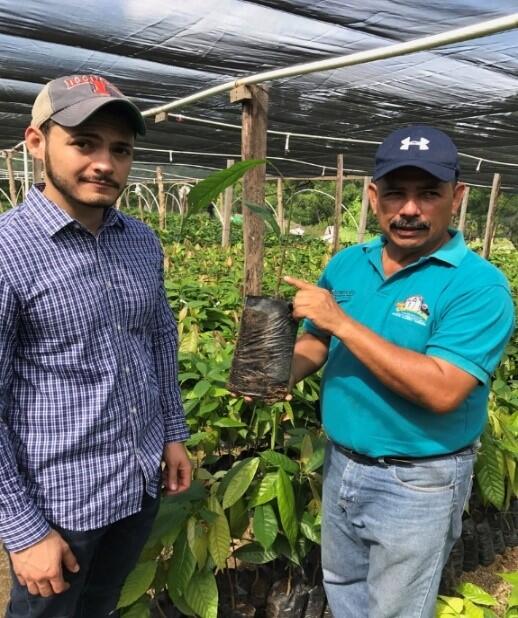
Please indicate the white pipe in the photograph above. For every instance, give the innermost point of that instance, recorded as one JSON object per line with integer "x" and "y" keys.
{"x": 399, "y": 49}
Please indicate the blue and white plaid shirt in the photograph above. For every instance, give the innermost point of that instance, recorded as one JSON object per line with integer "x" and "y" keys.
{"x": 88, "y": 371}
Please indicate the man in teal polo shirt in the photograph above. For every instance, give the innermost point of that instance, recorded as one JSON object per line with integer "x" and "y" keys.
{"x": 409, "y": 327}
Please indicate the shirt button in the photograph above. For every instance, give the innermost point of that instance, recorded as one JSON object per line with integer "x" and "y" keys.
{"x": 119, "y": 327}
{"x": 127, "y": 369}
{"x": 133, "y": 410}
{"x": 108, "y": 286}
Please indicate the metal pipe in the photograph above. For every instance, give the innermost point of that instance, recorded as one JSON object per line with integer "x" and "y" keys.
{"x": 380, "y": 53}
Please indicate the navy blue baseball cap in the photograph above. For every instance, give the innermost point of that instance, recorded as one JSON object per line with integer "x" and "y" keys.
{"x": 418, "y": 146}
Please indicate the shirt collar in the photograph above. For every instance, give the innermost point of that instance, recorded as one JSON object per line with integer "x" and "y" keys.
{"x": 52, "y": 218}
{"x": 452, "y": 252}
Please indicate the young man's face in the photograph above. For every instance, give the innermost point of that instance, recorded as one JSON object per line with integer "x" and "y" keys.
{"x": 88, "y": 165}
{"x": 414, "y": 209}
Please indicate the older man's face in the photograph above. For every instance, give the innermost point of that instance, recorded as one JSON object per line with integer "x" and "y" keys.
{"x": 414, "y": 209}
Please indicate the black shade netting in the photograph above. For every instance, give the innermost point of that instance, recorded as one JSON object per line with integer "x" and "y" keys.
{"x": 262, "y": 359}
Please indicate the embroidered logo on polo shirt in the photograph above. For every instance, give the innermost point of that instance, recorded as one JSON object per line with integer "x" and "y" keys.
{"x": 414, "y": 309}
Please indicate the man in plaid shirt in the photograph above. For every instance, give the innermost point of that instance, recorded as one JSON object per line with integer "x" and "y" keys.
{"x": 89, "y": 398}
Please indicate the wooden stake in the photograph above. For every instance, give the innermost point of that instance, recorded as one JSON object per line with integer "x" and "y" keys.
{"x": 338, "y": 201}
{"x": 280, "y": 206}
{"x": 227, "y": 211}
{"x": 140, "y": 207}
{"x": 463, "y": 210}
{"x": 364, "y": 213}
{"x": 161, "y": 198}
{"x": 253, "y": 146}
{"x": 10, "y": 174}
{"x": 490, "y": 221}
{"x": 37, "y": 170}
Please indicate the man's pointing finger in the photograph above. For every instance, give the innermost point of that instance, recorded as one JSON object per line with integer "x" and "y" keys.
{"x": 299, "y": 283}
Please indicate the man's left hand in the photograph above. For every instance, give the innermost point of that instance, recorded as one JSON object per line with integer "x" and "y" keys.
{"x": 177, "y": 473}
{"x": 316, "y": 304}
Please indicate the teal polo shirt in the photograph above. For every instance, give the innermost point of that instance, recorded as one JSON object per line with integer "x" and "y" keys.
{"x": 452, "y": 305}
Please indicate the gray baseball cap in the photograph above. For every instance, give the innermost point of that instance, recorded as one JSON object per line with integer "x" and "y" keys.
{"x": 71, "y": 99}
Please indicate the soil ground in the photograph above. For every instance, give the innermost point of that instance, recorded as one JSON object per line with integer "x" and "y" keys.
{"x": 485, "y": 577}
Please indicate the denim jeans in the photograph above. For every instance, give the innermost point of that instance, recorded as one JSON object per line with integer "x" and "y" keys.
{"x": 387, "y": 531}
{"x": 106, "y": 556}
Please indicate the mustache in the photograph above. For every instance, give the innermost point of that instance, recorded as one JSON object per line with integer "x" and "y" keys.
{"x": 402, "y": 224}
{"x": 102, "y": 179}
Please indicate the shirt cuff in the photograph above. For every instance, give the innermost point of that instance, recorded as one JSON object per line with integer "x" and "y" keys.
{"x": 176, "y": 430}
{"x": 23, "y": 530}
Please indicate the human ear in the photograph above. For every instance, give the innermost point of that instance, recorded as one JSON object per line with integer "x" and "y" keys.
{"x": 35, "y": 141}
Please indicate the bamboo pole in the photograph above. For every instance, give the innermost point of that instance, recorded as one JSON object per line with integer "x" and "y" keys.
{"x": 338, "y": 201}
{"x": 10, "y": 174}
{"x": 463, "y": 210}
{"x": 161, "y": 198}
{"x": 227, "y": 211}
{"x": 253, "y": 146}
{"x": 280, "y": 206}
{"x": 364, "y": 213}
{"x": 490, "y": 221}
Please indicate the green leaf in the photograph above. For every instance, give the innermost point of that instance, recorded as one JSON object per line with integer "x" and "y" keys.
{"x": 240, "y": 482}
{"x": 138, "y": 610}
{"x": 476, "y": 594}
{"x": 306, "y": 449}
{"x": 202, "y": 594}
{"x": 453, "y": 603}
{"x": 511, "y": 577}
{"x": 266, "y": 490}
{"x": 317, "y": 460}
{"x": 286, "y": 504}
{"x": 206, "y": 191}
{"x": 238, "y": 518}
{"x": 471, "y": 610}
{"x": 228, "y": 422}
{"x": 309, "y": 529}
{"x": 255, "y": 554}
{"x": 279, "y": 460}
{"x": 219, "y": 535}
{"x": 489, "y": 473}
{"x": 198, "y": 541}
{"x": 266, "y": 214}
{"x": 200, "y": 389}
{"x": 265, "y": 525}
{"x": 181, "y": 566}
{"x": 138, "y": 582}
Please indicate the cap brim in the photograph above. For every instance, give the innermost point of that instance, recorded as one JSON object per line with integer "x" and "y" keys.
{"x": 446, "y": 174}
{"x": 79, "y": 112}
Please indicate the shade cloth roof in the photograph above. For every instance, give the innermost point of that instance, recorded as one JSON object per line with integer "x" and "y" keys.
{"x": 157, "y": 51}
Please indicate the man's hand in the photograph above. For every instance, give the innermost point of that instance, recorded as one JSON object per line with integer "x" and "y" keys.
{"x": 39, "y": 567}
{"x": 316, "y": 304}
{"x": 177, "y": 472}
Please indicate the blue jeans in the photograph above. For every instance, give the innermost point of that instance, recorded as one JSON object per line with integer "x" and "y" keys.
{"x": 387, "y": 531}
{"x": 106, "y": 557}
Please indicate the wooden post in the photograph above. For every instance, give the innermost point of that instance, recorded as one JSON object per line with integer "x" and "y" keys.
{"x": 490, "y": 221}
{"x": 253, "y": 146}
{"x": 161, "y": 198}
{"x": 37, "y": 170}
{"x": 227, "y": 211}
{"x": 280, "y": 206}
{"x": 463, "y": 210}
{"x": 362, "y": 226}
{"x": 140, "y": 207}
{"x": 10, "y": 174}
{"x": 338, "y": 201}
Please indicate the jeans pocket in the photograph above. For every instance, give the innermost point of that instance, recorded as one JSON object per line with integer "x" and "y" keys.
{"x": 427, "y": 476}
